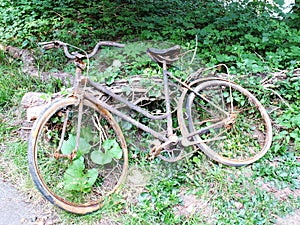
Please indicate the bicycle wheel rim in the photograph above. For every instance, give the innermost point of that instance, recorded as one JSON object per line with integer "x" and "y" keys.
{"x": 251, "y": 130}
{"x": 52, "y": 181}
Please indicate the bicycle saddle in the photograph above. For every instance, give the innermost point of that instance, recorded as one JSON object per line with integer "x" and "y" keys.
{"x": 169, "y": 55}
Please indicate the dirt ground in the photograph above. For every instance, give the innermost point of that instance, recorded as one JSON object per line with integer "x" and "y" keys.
{"x": 293, "y": 219}
{"x": 16, "y": 208}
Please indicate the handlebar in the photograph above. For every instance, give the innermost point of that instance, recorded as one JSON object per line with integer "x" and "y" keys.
{"x": 58, "y": 44}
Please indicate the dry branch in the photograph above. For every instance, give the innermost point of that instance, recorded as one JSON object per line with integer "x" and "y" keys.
{"x": 29, "y": 65}
{"x": 135, "y": 89}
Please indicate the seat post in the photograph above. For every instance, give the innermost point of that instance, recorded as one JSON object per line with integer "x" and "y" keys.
{"x": 167, "y": 100}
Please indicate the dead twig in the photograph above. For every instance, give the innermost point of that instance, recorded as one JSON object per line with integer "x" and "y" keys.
{"x": 279, "y": 96}
{"x": 195, "y": 50}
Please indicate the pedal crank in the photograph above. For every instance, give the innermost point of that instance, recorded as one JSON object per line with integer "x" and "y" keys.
{"x": 155, "y": 151}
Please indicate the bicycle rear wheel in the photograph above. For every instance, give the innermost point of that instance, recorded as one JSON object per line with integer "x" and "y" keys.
{"x": 81, "y": 184}
{"x": 233, "y": 127}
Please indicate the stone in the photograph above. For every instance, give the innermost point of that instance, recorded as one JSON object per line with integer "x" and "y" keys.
{"x": 32, "y": 99}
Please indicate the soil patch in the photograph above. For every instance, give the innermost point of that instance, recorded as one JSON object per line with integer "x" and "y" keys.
{"x": 292, "y": 219}
{"x": 18, "y": 209}
{"x": 191, "y": 205}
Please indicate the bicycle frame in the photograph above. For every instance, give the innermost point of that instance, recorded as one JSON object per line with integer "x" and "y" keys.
{"x": 184, "y": 139}
{"x": 167, "y": 115}
{"x": 80, "y": 92}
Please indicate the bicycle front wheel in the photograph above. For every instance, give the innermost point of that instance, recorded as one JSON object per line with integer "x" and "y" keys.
{"x": 77, "y": 184}
{"x": 229, "y": 124}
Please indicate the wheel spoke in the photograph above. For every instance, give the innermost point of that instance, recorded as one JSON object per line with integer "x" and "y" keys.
{"x": 78, "y": 184}
{"x": 238, "y": 126}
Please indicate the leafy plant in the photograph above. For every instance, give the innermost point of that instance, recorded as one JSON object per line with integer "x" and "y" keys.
{"x": 112, "y": 151}
{"x": 252, "y": 44}
{"x": 243, "y": 34}
{"x": 76, "y": 179}
{"x": 69, "y": 145}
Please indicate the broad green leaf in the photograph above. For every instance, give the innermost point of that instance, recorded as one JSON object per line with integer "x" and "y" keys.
{"x": 76, "y": 180}
{"x": 107, "y": 144}
{"x": 73, "y": 175}
{"x": 100, "y": 158}
{"x": 84, "y": 146}
{"x": 75, "y": 169}
{"x": 116, "y": 151}
{"x": 112, "y": 148}
{"x": 69, "y": 145}
{"x": 72, "y": 184}
{"x": 78, "y": 164}
{"x": 226, "y": 94}
{"x": 91, "y": 176}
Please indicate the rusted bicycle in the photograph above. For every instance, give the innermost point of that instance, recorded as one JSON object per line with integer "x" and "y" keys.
{"x": 77, "y": 152}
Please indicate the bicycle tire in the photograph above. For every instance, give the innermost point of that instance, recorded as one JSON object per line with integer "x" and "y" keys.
{"x": 248, "y": 134}
{"x": 82, "y": 184}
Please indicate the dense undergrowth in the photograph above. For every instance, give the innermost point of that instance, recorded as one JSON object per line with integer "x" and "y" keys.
{"x": 243, "y": 37}
{"x": 262, "y": 50}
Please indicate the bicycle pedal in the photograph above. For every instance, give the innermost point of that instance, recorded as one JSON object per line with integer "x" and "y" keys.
{"x": 154, "y": 152}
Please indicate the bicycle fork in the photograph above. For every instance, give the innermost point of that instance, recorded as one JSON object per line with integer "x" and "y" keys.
{"x": 80, "y": 65}
{"x": 58, "y": 153}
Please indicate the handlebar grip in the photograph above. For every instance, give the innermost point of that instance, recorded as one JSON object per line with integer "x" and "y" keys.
{"x": 48, "y": 46}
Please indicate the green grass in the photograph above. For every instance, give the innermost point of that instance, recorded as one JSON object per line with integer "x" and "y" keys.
{"x": 228, "y": 195}
{"x": 197, "y": 191}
